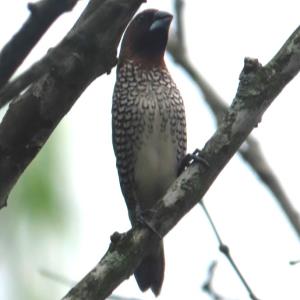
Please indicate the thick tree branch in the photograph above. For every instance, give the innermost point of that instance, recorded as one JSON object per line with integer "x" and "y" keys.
{"x": 13, "y": 88}
{"x": 250, "y": 151}
{"x": 83, "y": 55}
{"x": 43, "y": 14}
{"x": 257, "y": 89}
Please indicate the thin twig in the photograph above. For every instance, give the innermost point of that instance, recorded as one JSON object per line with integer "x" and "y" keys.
{"x": 42, "y": 14}
{"x": 225, "y": 250}
{"x": 208, "y": 284}
{"x": 250, "y": 151}
{"x": 294, "y": 262}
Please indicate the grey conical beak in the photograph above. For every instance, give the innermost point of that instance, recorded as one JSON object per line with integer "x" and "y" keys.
{"x": 162, "y": 20}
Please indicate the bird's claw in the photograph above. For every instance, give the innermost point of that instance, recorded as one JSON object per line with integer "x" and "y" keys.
{"x": 197, "y": 156}
{"x": 191, "y": 158}
{"x": 141, "y": 219}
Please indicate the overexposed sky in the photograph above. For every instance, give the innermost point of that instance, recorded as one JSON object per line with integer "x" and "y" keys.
{"x": 219, "y": 35}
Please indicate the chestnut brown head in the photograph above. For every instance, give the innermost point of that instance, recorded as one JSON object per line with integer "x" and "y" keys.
{"x": 146, "y": 37}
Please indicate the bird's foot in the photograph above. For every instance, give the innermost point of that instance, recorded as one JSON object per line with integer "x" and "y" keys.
{"x": 192, "y": 158}
{"x": 142, "y": 220}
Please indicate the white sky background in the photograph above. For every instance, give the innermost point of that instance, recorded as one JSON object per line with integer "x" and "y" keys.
{"x": 219, "y": 35}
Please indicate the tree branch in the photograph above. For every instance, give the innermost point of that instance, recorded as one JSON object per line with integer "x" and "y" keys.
{"x": 13, "y": 88}
{"x": 83, "y": 55}
{"x": 208, "y": 284}
{"x": 42, "y": 14}
{"x": 257, "y": 89}
{"x": 250, "y": 151}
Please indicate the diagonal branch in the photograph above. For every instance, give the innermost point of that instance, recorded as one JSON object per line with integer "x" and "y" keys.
{"x": 14, "y": 87}
{"x": 42, "y": 14}
{"x": 258, "y": 87}
{"x": 84, "y": 54}
{"x": 208, "y": 284}
{"x": 250, "y": 151}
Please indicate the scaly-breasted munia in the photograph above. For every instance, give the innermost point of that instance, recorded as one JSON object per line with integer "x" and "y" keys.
{"x": 149, "y": 127}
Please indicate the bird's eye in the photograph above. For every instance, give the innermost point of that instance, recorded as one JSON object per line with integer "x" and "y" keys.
{"x": 140, "y": 18}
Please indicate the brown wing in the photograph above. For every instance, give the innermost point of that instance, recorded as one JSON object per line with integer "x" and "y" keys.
{"x": 124, "y": 121}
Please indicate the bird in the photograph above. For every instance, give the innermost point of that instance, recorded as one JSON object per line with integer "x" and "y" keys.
{"x": 148, "y": 128}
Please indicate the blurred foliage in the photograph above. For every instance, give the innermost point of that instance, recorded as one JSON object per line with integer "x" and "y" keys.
{"x": 34, "y": 228}
{"x": 37, "y": 196}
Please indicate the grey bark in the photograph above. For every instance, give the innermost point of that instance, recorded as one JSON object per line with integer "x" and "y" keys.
{"x": 43, "y": 14}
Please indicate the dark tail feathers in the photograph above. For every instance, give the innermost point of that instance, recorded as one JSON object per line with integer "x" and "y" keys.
{"x": 150, "y": 273}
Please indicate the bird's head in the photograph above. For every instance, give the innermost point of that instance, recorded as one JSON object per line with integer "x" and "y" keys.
{"x": 146, "y": 37}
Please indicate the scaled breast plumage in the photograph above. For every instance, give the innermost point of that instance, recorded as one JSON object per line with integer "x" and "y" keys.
{"x": 138, "y": 95}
